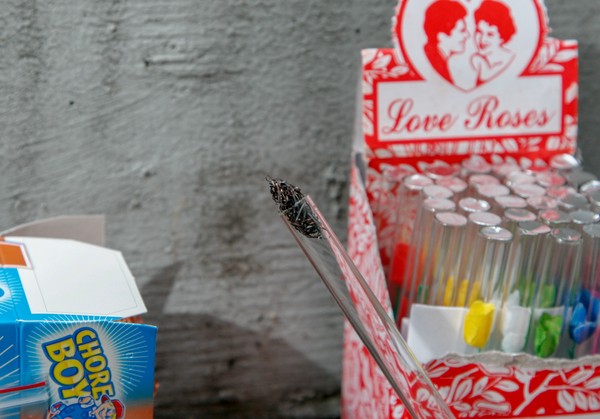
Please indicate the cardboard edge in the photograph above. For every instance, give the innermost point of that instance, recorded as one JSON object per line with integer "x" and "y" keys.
{"x": 85, "y": 228}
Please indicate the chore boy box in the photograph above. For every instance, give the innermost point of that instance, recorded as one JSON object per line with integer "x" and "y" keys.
{"x": 69, "y": 347}
{"x": 475, "y": 111}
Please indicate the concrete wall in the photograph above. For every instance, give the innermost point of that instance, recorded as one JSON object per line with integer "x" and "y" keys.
{"x": 166, "y": 116}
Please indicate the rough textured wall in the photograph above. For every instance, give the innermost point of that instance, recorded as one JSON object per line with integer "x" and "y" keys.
{"x": 165, "y": 116}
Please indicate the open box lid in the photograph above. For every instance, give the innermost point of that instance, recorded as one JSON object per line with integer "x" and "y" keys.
{"x": 58, "y": 266}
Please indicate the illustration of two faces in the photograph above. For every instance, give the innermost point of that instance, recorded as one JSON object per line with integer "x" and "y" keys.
{"x": 447, "y": 35}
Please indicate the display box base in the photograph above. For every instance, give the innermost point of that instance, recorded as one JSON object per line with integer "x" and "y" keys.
{"x": 485, "y": 385}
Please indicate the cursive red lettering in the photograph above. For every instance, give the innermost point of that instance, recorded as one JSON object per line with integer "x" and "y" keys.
{"x": 404, "y": 120}
{"x": 504, "y": 120}
{"x": 480, "y": 110}
{"x": 397, "y": 111}
{"x": 485, "y": 113}
{"x": 544, "y": 118}
{"x": 531, "y": 119}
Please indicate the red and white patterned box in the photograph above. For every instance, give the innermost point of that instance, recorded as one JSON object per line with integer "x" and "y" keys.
{"x": 501, "y": 89}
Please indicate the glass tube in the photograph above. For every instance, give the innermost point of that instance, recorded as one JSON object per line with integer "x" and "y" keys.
{"x": 579, "y": 178}
{"x": 490, "y": 191}
{"x": 418, "y": 253}
{"x": 554, "y": 218}
{"x": 538, "y": 203}
{"x": 590, "y": 187}
{"x": 560, "y": 191}
{"x": 409, "y": 199}
{"x": 520, "y": 288}
{"x": 556, "y": 279}
{"x": 594, "y": 198}
{"x": 364, "y": 312}
{"x": 426, "y": 256}
{"x": 581, "y": 218}
{"x": 479, "y": 322}
{"x": 443, "y": 227}
{"x": 493, "y": 264}
{"x": 527, "y": 190}
{"x": 469, "y": 205}
{"x": 475, "y": 165}
{"x": 519, "y": 178}
{"x": 470, "y": 257}
{"x": 537, "y": 166}
{"x": 549, "y": 179}
{"x": 450, "y": 248}
{"x": 409, "y": 208}
{"x": 565, "y": 163}
{"x": 455, "y": 184}
{"x": 503, "y": 170}
{"x": 437, "y": 191}
{"x": 480, "y": 179}
{"x": 583, "y": 324}
{"x": 502, "y": 203}
{"x": 440, "y": 170}
{"x": 573, "y": 202}
{"x": 514, "y": 216}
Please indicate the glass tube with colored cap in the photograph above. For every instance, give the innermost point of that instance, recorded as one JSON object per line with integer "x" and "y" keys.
{"x": 557, "y": 276}
{"x": 519, "y": 290}
{"x": 583, "y": 323}
{"x": 409, "y": 200}
{"x": 386, "y": 214}
{"x": 469, "y": 288}
{"x": 479, "y": 322}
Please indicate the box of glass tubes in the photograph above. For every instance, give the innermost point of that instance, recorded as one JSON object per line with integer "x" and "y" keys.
{"x": 467, "y": 179}
{"x": 71, "y": 343}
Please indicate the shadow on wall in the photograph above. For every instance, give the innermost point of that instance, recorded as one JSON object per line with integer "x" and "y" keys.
{"x": 253, "y": 376}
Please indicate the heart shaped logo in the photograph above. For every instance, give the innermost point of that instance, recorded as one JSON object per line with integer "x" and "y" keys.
{"x": 469, "y": 43}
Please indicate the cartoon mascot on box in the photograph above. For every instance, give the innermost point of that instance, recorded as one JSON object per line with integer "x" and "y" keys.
{"x": 85, "y": 408}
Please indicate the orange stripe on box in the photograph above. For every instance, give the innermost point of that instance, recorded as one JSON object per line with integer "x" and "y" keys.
{"x": 139, "y": 412}
{"x": 12, "y": 255}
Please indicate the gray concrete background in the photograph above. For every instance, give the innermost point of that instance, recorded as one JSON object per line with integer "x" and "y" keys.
{"x": 166, "y": 116}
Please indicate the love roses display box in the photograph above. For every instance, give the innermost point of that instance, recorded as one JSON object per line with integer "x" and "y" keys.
{"x": 466, "y": 77}
{"x": 68, "y": 345}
